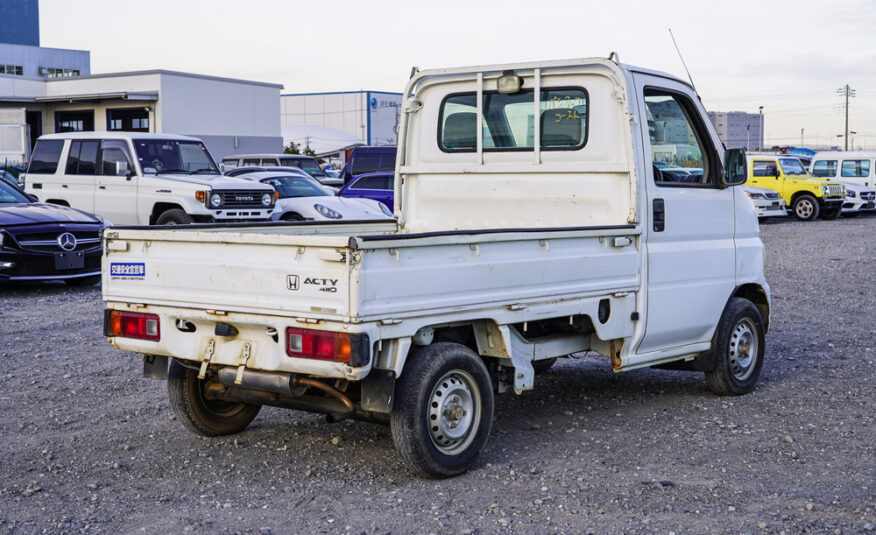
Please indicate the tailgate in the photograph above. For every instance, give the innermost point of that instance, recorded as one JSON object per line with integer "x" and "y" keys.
{"x": 236, "y": 270}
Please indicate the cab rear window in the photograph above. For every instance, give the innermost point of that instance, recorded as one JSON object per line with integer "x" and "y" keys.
{"x": 509, "y": 121}
{"x": 45, "y": 156}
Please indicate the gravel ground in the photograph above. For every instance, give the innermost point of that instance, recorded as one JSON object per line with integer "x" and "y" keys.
{"x": 88, "y": 446}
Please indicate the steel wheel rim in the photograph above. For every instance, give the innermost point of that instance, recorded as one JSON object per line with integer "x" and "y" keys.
{"x": 743, "y": 349}
{"x": 804, "y": 208}
{"x": 454, "y": 412}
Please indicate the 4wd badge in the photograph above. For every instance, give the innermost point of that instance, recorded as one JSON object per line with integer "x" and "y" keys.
{"x": 291, "y": 282}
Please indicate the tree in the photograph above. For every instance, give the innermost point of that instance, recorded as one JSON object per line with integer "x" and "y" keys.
{"x": 292, "y": 148}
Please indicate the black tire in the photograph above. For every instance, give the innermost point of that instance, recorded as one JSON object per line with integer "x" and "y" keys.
{"x": 737, "y": 364}
{"x": 83, "y": 281}
{"x": 805, "y": 207}
{"x": 831, "y": 213}
{"x": 762, "y": 220}
{"x": 541, "y": 366}
{"x": 291, "y": 216}
{"x": 439, "y": 379}
{"x": 174, "y": 216}
{"x": 206, "y": 417}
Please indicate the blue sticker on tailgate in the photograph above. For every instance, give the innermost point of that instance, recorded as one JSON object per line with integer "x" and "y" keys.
{"x": 127, "y": 270}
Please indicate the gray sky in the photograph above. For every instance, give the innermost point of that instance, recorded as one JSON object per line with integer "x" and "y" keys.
{"x": 789, "y": 57}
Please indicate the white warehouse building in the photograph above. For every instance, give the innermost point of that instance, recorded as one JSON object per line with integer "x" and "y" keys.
{"x": 333, "y": 122}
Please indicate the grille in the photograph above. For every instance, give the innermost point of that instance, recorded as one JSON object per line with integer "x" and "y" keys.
{"x": 834, "y": 190}
{"x": 47, "y": 242}
{"x": 868, "y": 195}
{"x": 241, "y": 199}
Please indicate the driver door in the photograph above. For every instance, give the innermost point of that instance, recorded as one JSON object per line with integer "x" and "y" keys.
{"x": 117, "y": 181}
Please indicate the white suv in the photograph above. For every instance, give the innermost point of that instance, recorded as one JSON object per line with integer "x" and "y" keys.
{"x": 142, "y": 179}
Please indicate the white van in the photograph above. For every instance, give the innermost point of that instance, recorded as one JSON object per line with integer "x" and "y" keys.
{"x": 858, "y": 167}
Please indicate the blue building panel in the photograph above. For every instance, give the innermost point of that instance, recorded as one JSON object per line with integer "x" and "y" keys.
{"x": 20, "y": 22}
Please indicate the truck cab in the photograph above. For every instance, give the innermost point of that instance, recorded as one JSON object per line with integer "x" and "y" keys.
{"x": 807, "y": 196}
{"x": 531, "y": 223}
{"x": 141, "y": 179}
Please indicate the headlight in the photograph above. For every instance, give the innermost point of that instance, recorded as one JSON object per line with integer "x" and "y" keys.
{"x": 384, "y": 209}
{"x": 266, "y": 199}
{"x": 825, "y": 190}
{"x": 215, "y": 200}
{"x": 327, "y": 212}
{"x": 755, "y": 195}
{"x": 850, "y": 193}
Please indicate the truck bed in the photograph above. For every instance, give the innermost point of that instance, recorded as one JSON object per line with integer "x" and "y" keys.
{"x": 361, "y": 271}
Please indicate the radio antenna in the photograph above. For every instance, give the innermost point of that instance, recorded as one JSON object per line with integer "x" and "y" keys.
{"x": 689, "y": 77}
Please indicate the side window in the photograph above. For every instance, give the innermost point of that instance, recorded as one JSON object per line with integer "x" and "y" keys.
{"x": 269, "y": 162}
{"x": 230, "y": 163}
{"x": 680, "y": 150}
{"x": 824, "y": 168}
{"x": 856, "y": 168}
{"x": 365, "y": 163}
{"x": 45, "y": 156}
{"x": 509, "y": 121}
{"x": 387, "y": 163}
{"x": 73, "y": 158}
{"x": 251, "y": 162}
{"x": 114, "y": 158}
{"x": 373, "y": 182}
{"x": 764, "y": 168}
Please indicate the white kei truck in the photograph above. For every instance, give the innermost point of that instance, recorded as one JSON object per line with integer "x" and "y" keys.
{"x": 530, "y": 224}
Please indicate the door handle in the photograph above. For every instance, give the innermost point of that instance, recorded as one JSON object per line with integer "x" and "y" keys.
{"x": 102, "y": 187}
{"x": 63, "y": 185}
{"x": 659, "y": 215}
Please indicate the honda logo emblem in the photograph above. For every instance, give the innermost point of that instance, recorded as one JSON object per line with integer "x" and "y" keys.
{"x": 292, "y": 282}
{"x": 67, "y": 241}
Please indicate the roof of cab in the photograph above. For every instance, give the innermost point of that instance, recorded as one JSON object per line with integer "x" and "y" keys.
{"x": 266, "y": 155}
{"x": 117, "y": 135}
{"x": 848, "y": 155}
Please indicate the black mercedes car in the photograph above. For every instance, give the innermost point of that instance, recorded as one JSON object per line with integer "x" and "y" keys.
{"x": 47, "y": 242}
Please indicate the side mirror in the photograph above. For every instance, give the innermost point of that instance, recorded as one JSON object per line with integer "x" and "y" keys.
{"x": 772, "y": 170}
{"x": 221, "y": 168}
{"x": 32, "y": 197}
{"x": 121, "y": 168}
{"x": 735, "y": 171}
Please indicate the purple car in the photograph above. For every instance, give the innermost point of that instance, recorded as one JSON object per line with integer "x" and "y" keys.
{"x": 377, "y": 186}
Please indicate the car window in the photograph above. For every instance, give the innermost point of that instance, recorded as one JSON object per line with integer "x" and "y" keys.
{"x": 792, "y": 166}
{"x": 296, "y": 186}
{"x": 763, "y": 168}
{"x": 373, "y": 183}
{"x": 114, "y": 158}
{"x": 230, "y": 163}
{"x": 672, "y": 127}
{"x": 824, "y": 168}
{"x": 365, "y": 163}
{"x": 46, "y": 156}
{"x": 387, "y": 163}
{"x": 251, "y": 161}
{"x": 856, "y": 168}
{"x": 269, "y": 162}
{"x": 509, "y": 122}
{"x": 8, "y": 195}
{"x": 82, "y": 159}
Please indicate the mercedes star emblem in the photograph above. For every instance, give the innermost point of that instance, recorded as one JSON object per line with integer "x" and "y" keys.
{"x": 67, "y": 241}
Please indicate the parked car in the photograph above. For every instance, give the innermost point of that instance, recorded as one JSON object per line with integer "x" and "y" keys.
{"x": 849, "y": 166}
{"x": 767, "y": 202}
{"x": 859, "y": 199}
{"x": 369, "y": 160}
{"x": 47, "y": 242}
{"x": 376, "y": 186}
{"x": 307, "y": 163}
{"x": 141, "y": 179}
{"x": 291, "y": 170}
{"x": 807, "y": 196}
{"x": 10, "y": 179}
{"x": 510, "y": 250}
{"x": 302, "y": 198}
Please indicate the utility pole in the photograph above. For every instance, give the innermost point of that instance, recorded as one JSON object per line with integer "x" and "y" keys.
{"x": 847, "y": 92}
{"x": 748, "y": 138}
{"x": 762, "y": 134}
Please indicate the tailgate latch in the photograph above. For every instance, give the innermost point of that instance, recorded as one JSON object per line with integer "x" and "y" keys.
{"x": 241, "y": 362}
{"x": 208, "y": 354}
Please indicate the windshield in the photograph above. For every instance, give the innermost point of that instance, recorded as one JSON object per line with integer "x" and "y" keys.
{"x": 172, "y": 156}
{"x": 309, "y": 164}
{"x": 792, "y": 166}
{"x": 295, "y": 186}
{"x": 9, "y": 195}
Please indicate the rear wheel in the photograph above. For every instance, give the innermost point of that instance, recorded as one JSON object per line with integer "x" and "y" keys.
{"x": 805, "y": 207}
{"x": 738, "y": 349}
{"x": 174, "y": 216}
{"x": 443, "y": 410}
{"x": 200, "y": 415}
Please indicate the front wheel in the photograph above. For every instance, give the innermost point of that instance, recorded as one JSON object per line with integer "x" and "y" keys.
{"x": 738, "y": 349}
{"x": 829, "y": 214}
{"x": 202, "y": 416}
{"x": 805, "y": 207}
{"x": 174, "y": 216}
{"x": 443, "y": 410}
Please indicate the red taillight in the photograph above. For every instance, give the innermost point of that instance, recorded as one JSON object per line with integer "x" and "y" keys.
{"x": 133, "y": 325}
{"x": 320, "y": 345}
